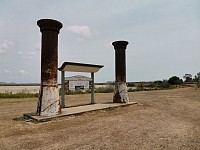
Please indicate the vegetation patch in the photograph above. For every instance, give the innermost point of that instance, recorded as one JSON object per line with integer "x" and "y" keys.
{"x": 18, "y": 95}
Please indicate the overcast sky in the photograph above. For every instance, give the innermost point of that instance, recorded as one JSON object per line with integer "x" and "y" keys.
{"x": 163, "y": 36}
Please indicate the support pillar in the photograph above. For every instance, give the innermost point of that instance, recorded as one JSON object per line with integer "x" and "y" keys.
{"x": 62, "y": 89}
{"x": 92, "y": 90}
{"x": 49, "y": 102}
{"x": 120, "y": 93}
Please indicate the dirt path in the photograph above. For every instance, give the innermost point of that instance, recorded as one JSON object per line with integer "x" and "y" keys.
{"x": 168, "y": 119}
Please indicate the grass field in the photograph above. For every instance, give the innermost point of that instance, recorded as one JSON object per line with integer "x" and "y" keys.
{"x": 27, "y": 89}
{"x": 164, "y": 119}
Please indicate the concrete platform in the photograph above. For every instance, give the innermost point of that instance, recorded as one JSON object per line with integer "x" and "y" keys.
{"x": 77, "y": 111}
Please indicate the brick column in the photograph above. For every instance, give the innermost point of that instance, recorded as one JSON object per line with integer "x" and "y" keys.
{"x": 49, "y": 102}
{"x": 120, "y": 93}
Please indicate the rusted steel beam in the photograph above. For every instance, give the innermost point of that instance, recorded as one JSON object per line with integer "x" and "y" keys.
{"x": 49, "y": 102}
{"x": 120, "y": 93}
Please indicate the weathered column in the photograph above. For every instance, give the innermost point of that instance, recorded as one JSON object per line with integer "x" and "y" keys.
{"x": 49, "y": 102}
{"x": 120, "y": 93}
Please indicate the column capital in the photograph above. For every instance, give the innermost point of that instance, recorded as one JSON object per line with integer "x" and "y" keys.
{"x": 49, "y": 24}
{"x": 120, "y": 44}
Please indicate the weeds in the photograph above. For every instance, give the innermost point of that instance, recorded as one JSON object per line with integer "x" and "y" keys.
{"x": 107, "y": 89}
{"x": 18, "y": 95}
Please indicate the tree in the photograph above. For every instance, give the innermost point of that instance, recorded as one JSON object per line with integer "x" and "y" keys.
{"x": 175, "y": 80}
{"x": 197, "y": 79}
{"x": 188, "y": 77}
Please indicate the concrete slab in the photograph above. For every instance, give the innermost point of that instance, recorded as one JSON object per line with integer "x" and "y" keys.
{"x": 77, "y": 110}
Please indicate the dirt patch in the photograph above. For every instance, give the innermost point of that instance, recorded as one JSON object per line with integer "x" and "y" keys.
{"x": 168, "y": 119}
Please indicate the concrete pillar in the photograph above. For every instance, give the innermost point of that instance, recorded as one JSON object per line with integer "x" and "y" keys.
{"x": 120, "y": 93}
{"x": 49, "y": 102}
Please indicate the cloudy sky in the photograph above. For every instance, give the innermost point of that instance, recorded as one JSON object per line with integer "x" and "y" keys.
{"x": 163, "y": 36}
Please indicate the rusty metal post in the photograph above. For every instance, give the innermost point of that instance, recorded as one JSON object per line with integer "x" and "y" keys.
{"x": 92, "y": 90}
{"x": 63, "y": 89}
{"x": 49, "y": 102}
{"x": 120, "y": 93}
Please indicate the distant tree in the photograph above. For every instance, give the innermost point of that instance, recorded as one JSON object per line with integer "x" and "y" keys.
{"x": 188, "y": 77}
{"x": 197, "y": 77}
{"x": 175, "y": 80}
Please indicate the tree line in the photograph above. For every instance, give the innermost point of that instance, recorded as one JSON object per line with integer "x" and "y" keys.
{"x": 174, "y": 80}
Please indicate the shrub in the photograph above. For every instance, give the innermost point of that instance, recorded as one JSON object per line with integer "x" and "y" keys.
{"x": 140, "y": 86}
{"x": 130, "y": 84}
{"x": 198, "y": 85}
{"x": 107, "y": 89}
{"x": 18, "y": 95}
{"x": 74, "y": 92}
{"x": 162, "y": 84}
{"x": 175, "y": 80}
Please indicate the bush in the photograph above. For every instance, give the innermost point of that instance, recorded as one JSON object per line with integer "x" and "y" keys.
{"x": 156, "y": 85}
{"x": 198, "y": 85}
{"x": 107, "y": 89}
{"x": 18, "y": 95}
{"x": 140, "y": 86}
{"x": 130, "y": 84}
{"x": 175, "y": 80}
{"x": 135, "y": 90}
{"x": 162, "y": 84}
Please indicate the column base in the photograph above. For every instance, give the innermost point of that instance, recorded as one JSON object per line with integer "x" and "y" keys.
{"x": 120, "y": 93}
{"x": 49, "y": 102}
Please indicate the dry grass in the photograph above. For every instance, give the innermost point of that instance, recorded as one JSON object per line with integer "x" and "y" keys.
{"x": 168, "y": 119}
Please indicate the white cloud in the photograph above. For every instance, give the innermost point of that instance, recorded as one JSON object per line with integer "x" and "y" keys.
{"x": 29, "y": 55}
{"x": 4, "y": 71}
{"x": 24, "y": 73}
{"x": 4, "y": 46}
{"x": 83, "y": 31}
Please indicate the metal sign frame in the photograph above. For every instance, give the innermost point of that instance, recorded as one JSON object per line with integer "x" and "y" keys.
{"x": 77, "y": 67}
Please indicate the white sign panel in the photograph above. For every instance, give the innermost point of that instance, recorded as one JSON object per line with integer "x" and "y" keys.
{"x": 73, "y": 84}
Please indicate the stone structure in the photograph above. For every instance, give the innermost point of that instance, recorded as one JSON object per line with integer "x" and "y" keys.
{"x": 49, "y": 102}
{"x": 120, "y": 93}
